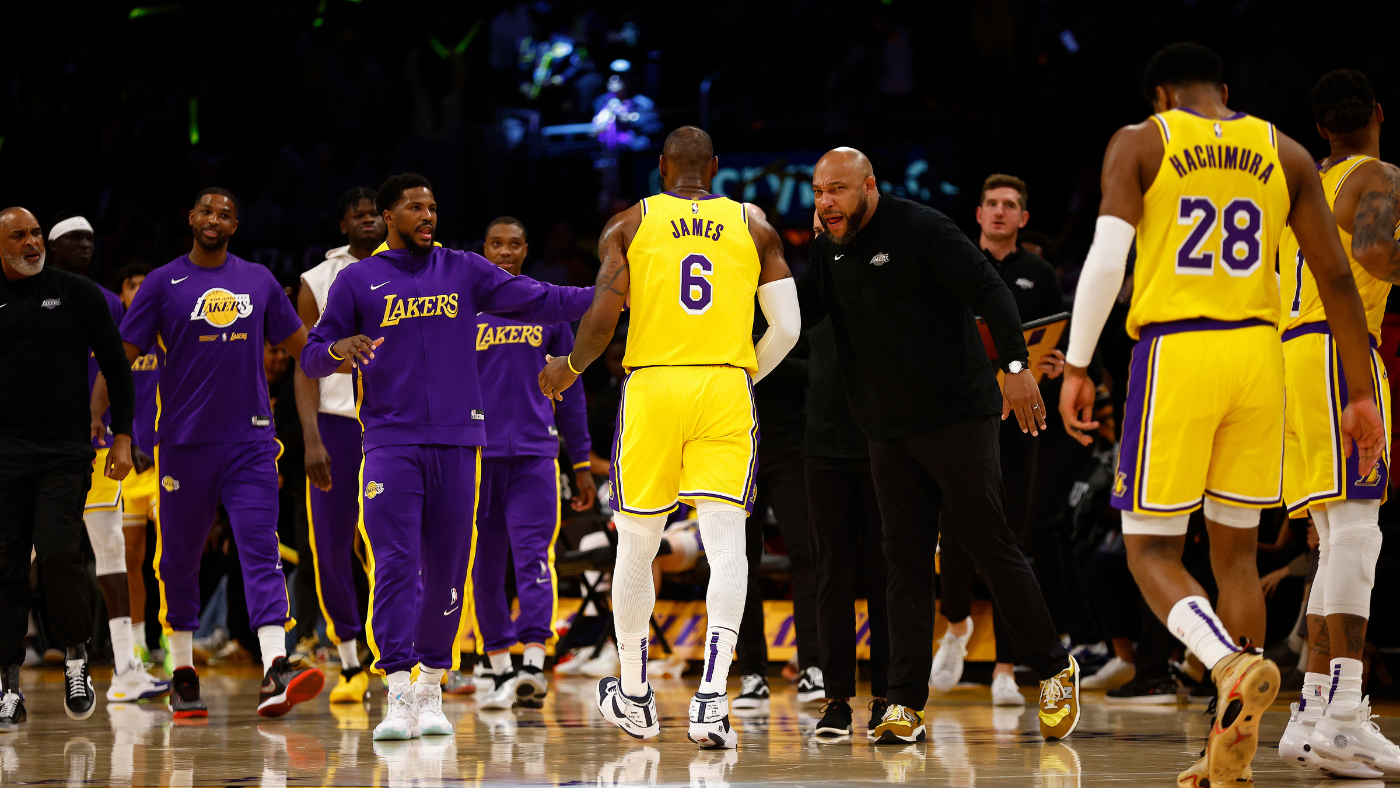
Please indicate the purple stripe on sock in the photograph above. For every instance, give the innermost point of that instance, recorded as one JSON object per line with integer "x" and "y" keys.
{"x": 644, "y": 660}
{"x": 1336, "y": 679}
{"x": 1210, "y": 622}
{"x": 714, "y": 655}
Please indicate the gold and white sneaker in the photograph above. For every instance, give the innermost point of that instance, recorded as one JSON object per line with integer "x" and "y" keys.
{"x": 1059, "y": 703}
{"x": 900, "y": 725}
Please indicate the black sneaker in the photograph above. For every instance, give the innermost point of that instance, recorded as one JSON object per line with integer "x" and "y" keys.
{"x": 11, "y": 709}
{"x": 810, "y": 686}
{"x": 286, "y": 684}
{"x": 185, "y": 702}
{"x": 836, "y": 720}
{"x": 754, "y": 692}
{"x": 1139, "y": 691}
{"x": 81, "y": 697}
{"x": 877, "y": 707}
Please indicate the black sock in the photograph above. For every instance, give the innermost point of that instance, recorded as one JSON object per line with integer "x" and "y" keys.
{"x": 77, "y": 652}
{"x": 350, "y": 673}
{"x": 9, "y": 678}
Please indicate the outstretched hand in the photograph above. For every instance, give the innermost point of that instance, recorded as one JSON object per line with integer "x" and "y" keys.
{"x": 358, "y": 350}
{"x": 556, "y": 376}
{"x": 1362, "y": 423}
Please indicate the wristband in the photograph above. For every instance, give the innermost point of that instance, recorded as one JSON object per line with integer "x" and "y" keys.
{"x": 569, "y": 362}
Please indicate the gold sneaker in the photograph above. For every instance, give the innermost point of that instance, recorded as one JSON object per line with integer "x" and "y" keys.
{"x": 1198, "y": 776}
{"x": 900, "y": 725}
{"x": 1246, "y": 684}
{"x": 1059, "y": 703}
{"x": 352, "y": 690}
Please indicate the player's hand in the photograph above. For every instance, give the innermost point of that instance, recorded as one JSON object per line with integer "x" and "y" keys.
{"x": 98, "y": 430}
{"x": 318, "y": 465}
{"x": 118, "y": 458}
{"x": 140, "y": 460}
{"x": 358, "y": 350}
{"x": 1361, "y": 422}
{"x": 1021, "y": 395}
{"x": 1077, "y": 404}
{"x": 1052, "y": 364}
{"x": 1270, "y": 581}
{"x": 556, "y": 376}
{"x": 586, "y": 490}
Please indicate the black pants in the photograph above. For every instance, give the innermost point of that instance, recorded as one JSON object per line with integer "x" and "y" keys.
{"x": 847, "y": 542}
{"x": 43, "y": 488}
{"x": 780, "y": 484}
{"x": 952, "y": 476}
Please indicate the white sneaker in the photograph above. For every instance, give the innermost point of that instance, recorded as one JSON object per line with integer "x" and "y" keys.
{"x": 1353, "y": 738}
{"x": 502, "y": 697}
{"x": 637, "y": 719}
{"x": 401, "y": 723}
{"x": 709, "y": 722}
{"x": 811, "y": 686}
{"x": 531, "y": 687}
{"x": 1295, "y": 748}
{"x": 570, "y": 664}
{"x": 1005, "y": 692}
{"x": 431, "y": 720}
{"x": 948, "y": 662}
{"x": 1114, "y": 674}
{"x": 135, "y": 684}
{"x": 604, "y": 665}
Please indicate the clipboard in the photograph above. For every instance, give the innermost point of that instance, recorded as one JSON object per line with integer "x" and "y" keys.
{"x": 1041, "y": 337}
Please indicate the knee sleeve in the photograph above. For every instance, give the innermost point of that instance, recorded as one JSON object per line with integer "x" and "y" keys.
{"x": 1355, "y": 542}
{"x": 632, "y": 592}
{"x": 1233, "y": 516}
{"x": 108, "y": 544}
{"x": 722, "y": 531}
{"x": 1152, "y": 525}
{"x": 1317, "y": 596}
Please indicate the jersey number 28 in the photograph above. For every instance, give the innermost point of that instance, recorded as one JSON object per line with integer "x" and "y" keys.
{"x": 696, "y": 292}
{"x": 1241, "y": 226}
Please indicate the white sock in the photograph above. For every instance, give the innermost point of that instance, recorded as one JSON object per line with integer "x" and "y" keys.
{"x": 182, "y": 646}
{"x": 633, "y": 597}
{"x": 1345, "y": 693}
{"x": 1194, "y": 623}
{"x": 500, "y": 663}
{"x": 122, "y": 653}
{"x": 1313, "y": 701}
{"x": 398, "y": 677}
{"x": 430, "y": 676}
{"x": 719, "y": 652}
{"x": 534, "y": 656}
{"x": 349, "y": 654}
{"x": 138, "y": 635}
{"x": 722, "y": 531}
{"x": 272, "y": 639}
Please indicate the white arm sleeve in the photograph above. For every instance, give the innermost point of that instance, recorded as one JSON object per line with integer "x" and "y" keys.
{"x": 1099, "y": 284}
{"x": 778, "y": 300}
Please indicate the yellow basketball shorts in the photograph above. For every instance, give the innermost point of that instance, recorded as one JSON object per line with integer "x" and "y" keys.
{"x": 684, "y": 434}
{"x": 105, "y": 494}
{"x": 1204, "y": 417}
{"x": 140, "y": 496}
{"x": 1315, "y": 472}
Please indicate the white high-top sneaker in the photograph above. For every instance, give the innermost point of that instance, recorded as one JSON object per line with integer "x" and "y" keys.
{"x": 401, "y": 723}
{"x": 502, "y": 697}
{"x": 431, "y": 720}
{"x": 637, "y": 719}
{"x": 1353, "y": 738}
{"x": 135, "y": 684}
{"x": 709, "y": 722}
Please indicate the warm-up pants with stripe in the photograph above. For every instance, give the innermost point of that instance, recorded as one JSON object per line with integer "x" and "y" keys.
{"x": 332, "y": 518}
{"x": 517, "y": 521}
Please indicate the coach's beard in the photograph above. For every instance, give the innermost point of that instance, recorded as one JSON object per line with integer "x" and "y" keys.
{"x": 853, "y": 222}
{"x": 23, "y": 266}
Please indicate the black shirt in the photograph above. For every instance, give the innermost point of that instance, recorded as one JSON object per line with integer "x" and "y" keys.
{"x": 781, "y": 398}
{"x": 47, "y": 324}
{"x": 901, "y": 297}
{"x": 831, "y": 429}
{"x": 1032, "y": 282}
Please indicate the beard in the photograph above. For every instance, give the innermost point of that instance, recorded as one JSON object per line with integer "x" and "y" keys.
{"x": 208, "y": 245}
{"x": 415, "y": 246}
{"x": 23, "y": 266}
{"x": 853, "y": 221}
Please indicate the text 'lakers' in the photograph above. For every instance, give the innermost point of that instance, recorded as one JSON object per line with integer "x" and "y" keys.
{"x": 396, "y": 309}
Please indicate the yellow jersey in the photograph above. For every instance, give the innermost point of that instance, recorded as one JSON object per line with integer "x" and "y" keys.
{"x": 1297, "y": 287}
{"x": 694, "y": 272}
{"x": 1211, "y": 223}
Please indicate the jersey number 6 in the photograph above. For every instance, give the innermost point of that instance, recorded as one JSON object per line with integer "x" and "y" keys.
{"x": 696, "y": 292}
{"x": 1241, "y": 225}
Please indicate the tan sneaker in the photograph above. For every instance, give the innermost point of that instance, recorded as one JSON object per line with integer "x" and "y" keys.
{"x": 1059, "y": 703}
{"x": 1198, "y": 776}
{"x": 1246, "y": 684}
{"x": 900, "y": 725}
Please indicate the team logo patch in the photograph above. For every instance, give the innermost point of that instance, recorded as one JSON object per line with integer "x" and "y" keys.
{"x": 880, "y": 259}
{"x": 1120, "y": 485}
{"x": 695, "y": 207}
{"x": 1371, "y": 479}
{"x": 170, "y": 484}
{"x": 51, "y": 303}
{"x": 219, "y": 307}
{"x": 373, "y": 488}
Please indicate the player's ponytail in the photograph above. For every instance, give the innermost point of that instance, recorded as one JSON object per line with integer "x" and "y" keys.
{"x": 1343, "y": 101}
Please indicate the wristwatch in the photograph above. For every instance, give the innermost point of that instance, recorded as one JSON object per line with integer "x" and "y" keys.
{"x": 1015, "y": 367}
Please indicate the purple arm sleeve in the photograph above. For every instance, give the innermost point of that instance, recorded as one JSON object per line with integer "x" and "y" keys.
{"x": 337, "y": 322}
{"x": 522, "y": 298}
{"x": 571, "y": 414}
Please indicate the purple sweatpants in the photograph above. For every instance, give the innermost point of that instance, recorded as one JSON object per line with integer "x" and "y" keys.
{"x": 194, "y": 479}
{"x": 332, "y": 518}
{"x": 419, "y": 513}
{"x": 518, "y": 515}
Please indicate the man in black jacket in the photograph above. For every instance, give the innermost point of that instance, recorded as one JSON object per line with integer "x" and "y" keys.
{"x": 900, "y": 283}
{"x": 49, "y": 319}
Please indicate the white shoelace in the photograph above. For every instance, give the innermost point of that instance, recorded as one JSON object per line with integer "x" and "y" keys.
{"x": 401, "y": 704}
{"x": 1052, "y": 692}
{"x": 814, "y": 675}
{"x": 431, "y": 702}
{"x": 74, "y": 671}
{"x": 9, "y": 703}
{"x": 752, "y": 683}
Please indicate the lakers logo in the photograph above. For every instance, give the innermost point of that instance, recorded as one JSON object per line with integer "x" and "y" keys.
{"x": 1120, "y": 485}
{"x": 1371, "y": 479}
{"x": 219, "y": 307}
{"x": 170, "y": 484}
{"x": 373, "y": 488}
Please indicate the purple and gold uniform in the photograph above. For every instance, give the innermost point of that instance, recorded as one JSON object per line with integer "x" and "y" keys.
{"x": 519, "y": 508}
{"x": 214, "y": 437}
{"x": 141, "y": 491}
{"x": 424, "y": 420}
{"x": 105, "y": 494}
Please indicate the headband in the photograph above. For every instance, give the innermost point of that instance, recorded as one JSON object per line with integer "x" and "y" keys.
{"x": 69, "y": 225}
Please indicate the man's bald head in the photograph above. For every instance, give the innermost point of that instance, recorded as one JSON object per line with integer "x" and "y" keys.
{"x": 845, "y": 193}
{"x": 21, "y": 243}
{"x": 688, "y": 148}
{"x": 16, "y": 212}
{"x": 849, "y": 162}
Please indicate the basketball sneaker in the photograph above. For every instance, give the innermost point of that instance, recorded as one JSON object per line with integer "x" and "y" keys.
{"x": 431, "y": 720}
{"x": 353, "y": 686}
{"x": 878, "y": 707}
{"x": 12, "y": 709}
{"x": 1198, "y": 776}
{"x": 503, "y": 696}
{"x": 185, "y": 702}
{"x": 459, "y": 683}
{"x": 709, "y": 722}
{"x": 637, "y": 718}
{"x": 531, "y": 687}
{"x": 80, "y": 697}
{"x": 286, "y": 684}
{"x": 900, "y": 725}
{"x": 401, "y": 722}
{"x": 1353, "y": 737}
{"x": 1005, "y": 692}
{"x": 135, "y": 684}
{"x": 1247, "y": 684}
{"x": 1114, "y": 674}
{"x": 835, "y": 724}
{"x": 753, "y": 692}
{"x": 1059, "y": 703}
{"x": 810, "y": 685}
{"x": 1144, "y": 691}
{"x": 1296, "y": 750}
{"x": 948, "y": 662}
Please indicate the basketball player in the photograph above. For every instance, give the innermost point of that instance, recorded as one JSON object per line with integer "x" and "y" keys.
{"x": 689, "y": 263}
{"x": 1364, "y": 193}
{"x": 1208, "y": 192}
{"x": 331, "y": 432}
{"x": 519, "y": 508}
{"x": 424, "y": 421}
{"x": 209, "y": 313}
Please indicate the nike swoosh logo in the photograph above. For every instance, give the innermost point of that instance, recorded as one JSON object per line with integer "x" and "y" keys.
{"x": 451, "y": 610}
{"x": 376, "y": 287}
{"x": 178, "y": 281}
{"x": 2, "y": 306}
{"x": 839, "y": 256}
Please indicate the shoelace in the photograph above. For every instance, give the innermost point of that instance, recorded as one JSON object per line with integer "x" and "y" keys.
{"x": 1052, "y": 692}
{"x": 77, "y": 688}
{"x": 814, "y": 675}
{"x": 9, "y": 703}
{"x": 400, "y": 705}
{"x": 752, "y": 683}
{"x": 833, "y": 703}
{"x": 430, "y": 702}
